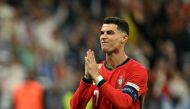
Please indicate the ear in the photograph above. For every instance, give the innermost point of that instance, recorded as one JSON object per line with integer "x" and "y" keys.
{"x": 124, "y": 39}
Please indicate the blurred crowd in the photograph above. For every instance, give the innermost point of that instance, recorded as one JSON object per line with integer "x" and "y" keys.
{"x": 43, "y": 43}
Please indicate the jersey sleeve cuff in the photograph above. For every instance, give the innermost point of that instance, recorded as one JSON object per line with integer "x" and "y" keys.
{"x": 87, "y": 81}
{"x": 101, "y": 83}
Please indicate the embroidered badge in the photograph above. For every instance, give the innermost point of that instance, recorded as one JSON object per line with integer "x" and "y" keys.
{"x": 120, "y": 81}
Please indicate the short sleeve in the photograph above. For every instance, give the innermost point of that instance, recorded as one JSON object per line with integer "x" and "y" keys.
{"x": 137, "y": 79}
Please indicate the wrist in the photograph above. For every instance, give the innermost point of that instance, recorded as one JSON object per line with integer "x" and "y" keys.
{"x": 86, "y": 76}
{"x": 98, "y": 79}
{"x": 87, "y": 80}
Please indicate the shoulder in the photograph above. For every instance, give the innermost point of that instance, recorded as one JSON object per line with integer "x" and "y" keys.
{"x": 134, "y": 65}
{"x": 138, "y": 75}
{"x": 137, "y": 69}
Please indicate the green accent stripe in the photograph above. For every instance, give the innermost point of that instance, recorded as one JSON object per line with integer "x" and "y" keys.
{"x": 108, "y": 67}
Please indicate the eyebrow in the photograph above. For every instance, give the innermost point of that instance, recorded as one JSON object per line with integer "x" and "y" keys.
{"x": 108, "y": 32}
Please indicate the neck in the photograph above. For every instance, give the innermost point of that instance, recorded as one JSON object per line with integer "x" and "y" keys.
{"x": 115, "y": 59}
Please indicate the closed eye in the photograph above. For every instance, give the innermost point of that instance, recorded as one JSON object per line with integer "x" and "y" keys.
{"x": 110, "y": 32}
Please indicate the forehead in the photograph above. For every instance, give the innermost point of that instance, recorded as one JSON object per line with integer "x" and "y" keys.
{"x": 106, "y": 27}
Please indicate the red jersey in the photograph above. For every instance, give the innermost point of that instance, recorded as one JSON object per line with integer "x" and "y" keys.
{"x": 123, "y": 88}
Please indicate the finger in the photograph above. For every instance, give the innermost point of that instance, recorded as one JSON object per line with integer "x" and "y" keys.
{"x": 88, "y": 53}
{"x": 92, "y": 56}
{"x": 86, "y": 60}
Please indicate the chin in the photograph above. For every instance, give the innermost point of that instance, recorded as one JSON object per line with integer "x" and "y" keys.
{"x": 105, "y": 50}
{"x": 110, "y": 50}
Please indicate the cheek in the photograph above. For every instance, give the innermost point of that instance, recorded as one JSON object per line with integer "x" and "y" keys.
{"x": 113, "y": 45}
{"x": 116, "y": 42}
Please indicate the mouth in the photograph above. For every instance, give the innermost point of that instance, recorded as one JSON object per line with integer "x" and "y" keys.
{"x": 104, "y": 42}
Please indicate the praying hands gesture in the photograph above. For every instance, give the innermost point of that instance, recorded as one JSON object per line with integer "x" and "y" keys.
{"x": 91, "y": 67}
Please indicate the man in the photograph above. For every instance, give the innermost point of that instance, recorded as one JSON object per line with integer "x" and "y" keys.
{"x": 29, "y": 94}
{"x": 119, "y": 82}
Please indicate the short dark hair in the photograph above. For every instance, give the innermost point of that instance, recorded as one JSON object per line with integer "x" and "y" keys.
{"x": 122, "y": 24}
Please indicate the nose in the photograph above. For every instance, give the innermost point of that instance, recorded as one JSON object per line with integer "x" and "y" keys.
{"x": 103, "y": 36}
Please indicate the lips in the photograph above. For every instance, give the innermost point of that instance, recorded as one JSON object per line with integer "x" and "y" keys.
{"x": 104, "y": 42}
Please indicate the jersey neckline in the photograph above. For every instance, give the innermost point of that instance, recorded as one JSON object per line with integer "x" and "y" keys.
{"x": 110, "y": 68}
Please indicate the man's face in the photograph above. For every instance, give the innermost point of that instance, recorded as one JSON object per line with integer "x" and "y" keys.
{"x": 110, "y": 38}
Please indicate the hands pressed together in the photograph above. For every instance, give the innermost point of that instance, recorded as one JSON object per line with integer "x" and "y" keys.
{"x": 91, "y": 67}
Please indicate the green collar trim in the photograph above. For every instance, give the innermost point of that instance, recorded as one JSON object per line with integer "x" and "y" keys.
{"x": 110, "y": 68}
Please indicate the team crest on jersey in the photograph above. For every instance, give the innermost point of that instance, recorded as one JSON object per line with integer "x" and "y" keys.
{"x": 120, "y": 81}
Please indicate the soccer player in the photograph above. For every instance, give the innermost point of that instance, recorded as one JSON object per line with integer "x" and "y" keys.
{"x": 119, "y": 82}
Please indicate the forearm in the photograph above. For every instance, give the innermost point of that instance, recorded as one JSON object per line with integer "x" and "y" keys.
{"x": 82, "y": 95}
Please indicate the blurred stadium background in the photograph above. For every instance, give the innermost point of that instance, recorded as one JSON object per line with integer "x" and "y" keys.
{"x": 43, "y": 42}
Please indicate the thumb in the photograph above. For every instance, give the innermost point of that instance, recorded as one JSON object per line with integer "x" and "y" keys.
{"x": 99, "y": 66}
